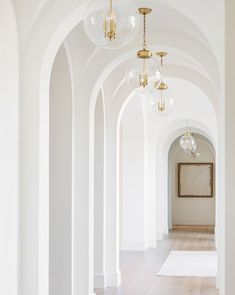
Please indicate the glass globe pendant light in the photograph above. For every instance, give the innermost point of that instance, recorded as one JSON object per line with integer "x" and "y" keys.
{"x": 188, "y": 143}
{"x": 144, "y": 73}
{"x": 162, "y": 101}
{"x": 111, "y": 23}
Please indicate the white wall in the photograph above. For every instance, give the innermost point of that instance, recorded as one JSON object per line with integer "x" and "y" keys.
{"x": 190, "y": 211}
{"x": 9, "y": 149}
{"x": 132, "y": 175}
{"x": 60, "y": 177}
{"x": 228, "y": 232}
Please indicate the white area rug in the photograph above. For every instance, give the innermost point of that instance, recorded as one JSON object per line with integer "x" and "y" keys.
{"x": 190, "y": 264}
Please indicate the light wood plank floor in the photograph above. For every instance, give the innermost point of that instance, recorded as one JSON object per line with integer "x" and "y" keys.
{"x": 139, "y": 269}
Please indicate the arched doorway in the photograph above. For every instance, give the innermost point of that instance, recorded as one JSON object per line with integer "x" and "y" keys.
{"x": 195, "y": 210}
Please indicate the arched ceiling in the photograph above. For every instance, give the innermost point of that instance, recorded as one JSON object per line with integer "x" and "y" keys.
{"x": 184, "y": 28}
{"x": 191, "y": 53}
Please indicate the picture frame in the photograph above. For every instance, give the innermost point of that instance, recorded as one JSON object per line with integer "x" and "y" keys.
{"x": 195, "y": 180}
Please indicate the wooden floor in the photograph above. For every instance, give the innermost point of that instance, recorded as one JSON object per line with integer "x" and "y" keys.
{"x": 139, "y": 269}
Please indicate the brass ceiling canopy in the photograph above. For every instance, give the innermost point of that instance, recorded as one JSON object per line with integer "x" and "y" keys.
{"x": 161, "y": 54}
{"x": 145, "y": 11}
{"x": 163, "y": 86}
{"x": 144, "y": 52}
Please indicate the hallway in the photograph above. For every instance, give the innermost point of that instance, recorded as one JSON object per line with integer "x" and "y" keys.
{"x": 139, "y": 269}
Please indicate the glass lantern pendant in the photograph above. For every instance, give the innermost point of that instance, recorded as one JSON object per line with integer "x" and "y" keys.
{"x": 162, "y": 101}
{"x": 188, "y": 143}
{"x": 111, "y": 23}
{"x": 144, "y": 70}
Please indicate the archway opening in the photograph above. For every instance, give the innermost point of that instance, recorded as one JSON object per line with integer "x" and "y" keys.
{"x": 196, "y": 208}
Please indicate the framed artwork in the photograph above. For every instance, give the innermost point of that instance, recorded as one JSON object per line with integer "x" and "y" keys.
{"x": 195, "y": 180}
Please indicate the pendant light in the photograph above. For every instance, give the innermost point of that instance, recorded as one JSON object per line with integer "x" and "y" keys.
{"x": 162, "y": 101}
{"x": 188, "y": 143}
{"x": 144, "y": 73}
{"x": 111, "y": 23}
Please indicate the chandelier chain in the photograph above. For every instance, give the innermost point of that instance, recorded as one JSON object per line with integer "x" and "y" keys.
{"x": 144, "y": 36}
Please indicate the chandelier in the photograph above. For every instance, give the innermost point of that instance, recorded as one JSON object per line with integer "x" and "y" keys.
{"x": 144, "y": 73}
{"x": 188, "y": 143}
{"x": 111, "y": 23}
{"x": 162, "y": 101}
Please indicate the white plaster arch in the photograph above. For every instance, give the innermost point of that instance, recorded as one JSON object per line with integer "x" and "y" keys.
{"x": 171, "y": 133}
{"x": 34, "y": 152}
{"x": 176, "y": 151}
{"x": 37, "y": 62}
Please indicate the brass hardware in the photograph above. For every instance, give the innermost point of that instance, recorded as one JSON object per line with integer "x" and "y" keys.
{"x": 110, "y": 25}
{"x": 161, "y": 106}
{"x": 143, "y": 79}
{"x": 163, "y": 86}
{"x": 145, "y": 11}
{"x": 161, "y": 54}
{"x": 144, "y": 53}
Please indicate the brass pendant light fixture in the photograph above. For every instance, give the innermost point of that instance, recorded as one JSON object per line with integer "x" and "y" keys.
{"x": 162, "y": 101}
{"x": 144, "y": 72}
{"x": 111, "y": 23}
{"x": 188, "y": 143}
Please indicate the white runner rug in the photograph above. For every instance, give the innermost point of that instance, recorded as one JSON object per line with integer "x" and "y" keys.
{"x": 190, "y": 264}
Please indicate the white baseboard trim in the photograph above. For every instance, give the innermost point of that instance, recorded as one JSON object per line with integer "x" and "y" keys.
{"x": 193, "y": 222}
{"x": 100, "y": 281}
{"x": 134, "y": 246}
{"x": 113, "y": 280}
{"x": 165, "y": 231}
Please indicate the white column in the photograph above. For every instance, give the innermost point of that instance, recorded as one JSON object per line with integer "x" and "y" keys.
{"x": 9, "y": 148}
{"x": 229, "y": 149}
{"x": 82, "y": 199}
{"x": 60, "y": 177}
{"x": 161, "y": 193}
{"x": 99, "y": 198}
{"x": 134, "y": 209}
{"x": 112, "y": 203}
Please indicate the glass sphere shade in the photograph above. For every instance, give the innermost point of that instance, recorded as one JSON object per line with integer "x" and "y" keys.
{"x": 162, "y": 102}
{"x": 111, "y": 28}
{"x": 143, "y": 75}
{"x": 188, "y": 143}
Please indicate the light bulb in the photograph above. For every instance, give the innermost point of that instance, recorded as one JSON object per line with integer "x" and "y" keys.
{"x": 111, "y": 23}
{"x": 143, "y": 75}
{"x": 161, "y": 101}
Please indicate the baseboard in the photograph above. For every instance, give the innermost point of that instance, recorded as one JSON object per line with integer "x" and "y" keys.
{"x": 160, "y": 235}
{"x": 113, "y": 280}
{"x": 100, "y": 281}
{"x": 165, "y": 230}
{"x": 193, "y": 222}
{"x": 134, "y": 246}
